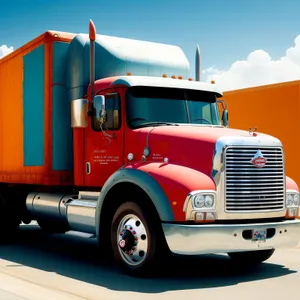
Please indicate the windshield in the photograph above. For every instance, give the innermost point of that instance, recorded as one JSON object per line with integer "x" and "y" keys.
{"x": 170, "y": 105}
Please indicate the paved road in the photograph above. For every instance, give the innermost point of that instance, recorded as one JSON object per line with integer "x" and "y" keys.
{"x": 64, "y": 267}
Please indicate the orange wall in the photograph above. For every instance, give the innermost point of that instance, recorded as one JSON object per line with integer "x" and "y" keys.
{"x": 273, "y": 109}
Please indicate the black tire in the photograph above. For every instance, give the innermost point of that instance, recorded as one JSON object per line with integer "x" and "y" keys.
{"x": 251, "y": 257}
{"x": 155, "y": 256}
{"x": 8, "y": 232}
{"x": 9, "y": 222}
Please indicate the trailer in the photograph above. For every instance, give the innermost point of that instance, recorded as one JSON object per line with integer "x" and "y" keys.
{"x": 110, "y": 136}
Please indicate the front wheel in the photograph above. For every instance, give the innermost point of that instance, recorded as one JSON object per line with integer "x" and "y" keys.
{"x": 137, "y": 240}
{"x": 251, "y": 257}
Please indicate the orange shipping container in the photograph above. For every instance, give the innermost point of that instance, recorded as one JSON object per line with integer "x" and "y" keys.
{"x": 273, "y": 109}
{"x": 34, "y": 121}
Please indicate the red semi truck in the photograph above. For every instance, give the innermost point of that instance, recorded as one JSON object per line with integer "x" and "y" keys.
{"x": 109, "y": 136}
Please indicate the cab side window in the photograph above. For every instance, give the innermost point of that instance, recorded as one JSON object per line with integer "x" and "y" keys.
{"x": 113, "y": 113}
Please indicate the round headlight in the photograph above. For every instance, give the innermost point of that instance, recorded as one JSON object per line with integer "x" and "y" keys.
{"x": 209, "y": 201}
{"x": 296, "y": 200}
{"x": 199, "y": 201}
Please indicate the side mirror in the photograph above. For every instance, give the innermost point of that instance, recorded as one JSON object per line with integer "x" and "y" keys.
{"x": 79, "y": 113}
{"x": 225, "y": 118}
{"x": 225, "y": 112}
{"x": 99, "y": 109}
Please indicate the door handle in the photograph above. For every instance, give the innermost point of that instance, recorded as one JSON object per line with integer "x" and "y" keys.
{"x": 88, "y": 168}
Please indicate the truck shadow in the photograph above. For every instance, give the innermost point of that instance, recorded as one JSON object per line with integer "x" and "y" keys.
{"x": 78, "y": 258}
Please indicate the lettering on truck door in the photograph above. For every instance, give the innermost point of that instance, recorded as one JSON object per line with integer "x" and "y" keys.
{"x": 104, "y": 147}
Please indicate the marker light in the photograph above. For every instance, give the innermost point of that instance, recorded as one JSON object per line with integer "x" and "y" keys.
{"x": 173, "y": 76}
{"x": 180, "y": 77}
{"x": 212, "y": 82}
{"x": 204, "y": 217}
{"x": 190, "y": 79}
{"x": 164, "y": 76}
{"x": 292, "y": 212}
{"x": 128, "y": 73}
{"x": 199, "y": 216}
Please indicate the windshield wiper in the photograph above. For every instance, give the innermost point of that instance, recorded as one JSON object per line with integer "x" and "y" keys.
{"x": 156, "y": 124}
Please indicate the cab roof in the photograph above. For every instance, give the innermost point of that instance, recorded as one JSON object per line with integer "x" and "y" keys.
{"x": 130, "y": 81}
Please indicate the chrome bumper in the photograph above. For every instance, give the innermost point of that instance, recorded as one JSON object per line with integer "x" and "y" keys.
{"x": 224, "y": 238}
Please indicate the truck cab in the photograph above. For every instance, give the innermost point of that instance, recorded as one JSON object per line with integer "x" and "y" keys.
{"x": 215, "y": 189}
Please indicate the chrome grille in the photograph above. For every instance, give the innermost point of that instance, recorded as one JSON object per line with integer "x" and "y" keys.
{"x": 248, "y": 188}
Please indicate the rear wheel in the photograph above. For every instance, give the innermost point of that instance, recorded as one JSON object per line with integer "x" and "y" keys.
{"x": 9, "y": 220}
{"x": 251, "y": 257}
{"x": 137, "y": 241}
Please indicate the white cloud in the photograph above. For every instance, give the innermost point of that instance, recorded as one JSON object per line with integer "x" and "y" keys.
{"x": 258, "y": 69}
{"x": 4, "y": 50}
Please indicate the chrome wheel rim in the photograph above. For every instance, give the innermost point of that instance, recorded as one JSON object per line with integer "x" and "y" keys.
{"x": 132, "y": 240}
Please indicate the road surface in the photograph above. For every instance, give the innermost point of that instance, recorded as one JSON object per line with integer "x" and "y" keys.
{"x": 67, "y": 267}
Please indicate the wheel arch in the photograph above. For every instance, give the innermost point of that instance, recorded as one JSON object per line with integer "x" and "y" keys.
{"x": 133, "y": 182}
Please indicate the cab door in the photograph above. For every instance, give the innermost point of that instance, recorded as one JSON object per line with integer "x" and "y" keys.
{"x": 103, "y": 153}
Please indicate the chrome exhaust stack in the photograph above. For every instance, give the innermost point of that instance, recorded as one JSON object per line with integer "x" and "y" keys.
{"x": 197, "y": 64}
{"x": 72, "y": 210}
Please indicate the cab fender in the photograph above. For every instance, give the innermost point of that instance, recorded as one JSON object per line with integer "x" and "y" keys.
{"x": 167, "y": 186}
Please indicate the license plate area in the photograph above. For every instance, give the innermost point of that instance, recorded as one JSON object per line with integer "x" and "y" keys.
{"x": 259, "y": 235}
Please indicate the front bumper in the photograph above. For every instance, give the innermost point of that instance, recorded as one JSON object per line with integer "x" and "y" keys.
{"x": 224, "y": 238}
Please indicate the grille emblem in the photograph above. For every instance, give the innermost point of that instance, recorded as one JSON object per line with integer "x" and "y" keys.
{"x": 258, "y": 160}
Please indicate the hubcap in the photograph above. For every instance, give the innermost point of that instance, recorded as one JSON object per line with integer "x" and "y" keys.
{"x": 132, "y": 240}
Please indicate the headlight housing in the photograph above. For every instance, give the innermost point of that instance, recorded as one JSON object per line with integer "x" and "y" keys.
{"x": 200, "y": 206}
{"x": 292, "y": 204}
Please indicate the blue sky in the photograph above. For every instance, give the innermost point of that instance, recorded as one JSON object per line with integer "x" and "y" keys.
{"x": 226, "y": 30}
